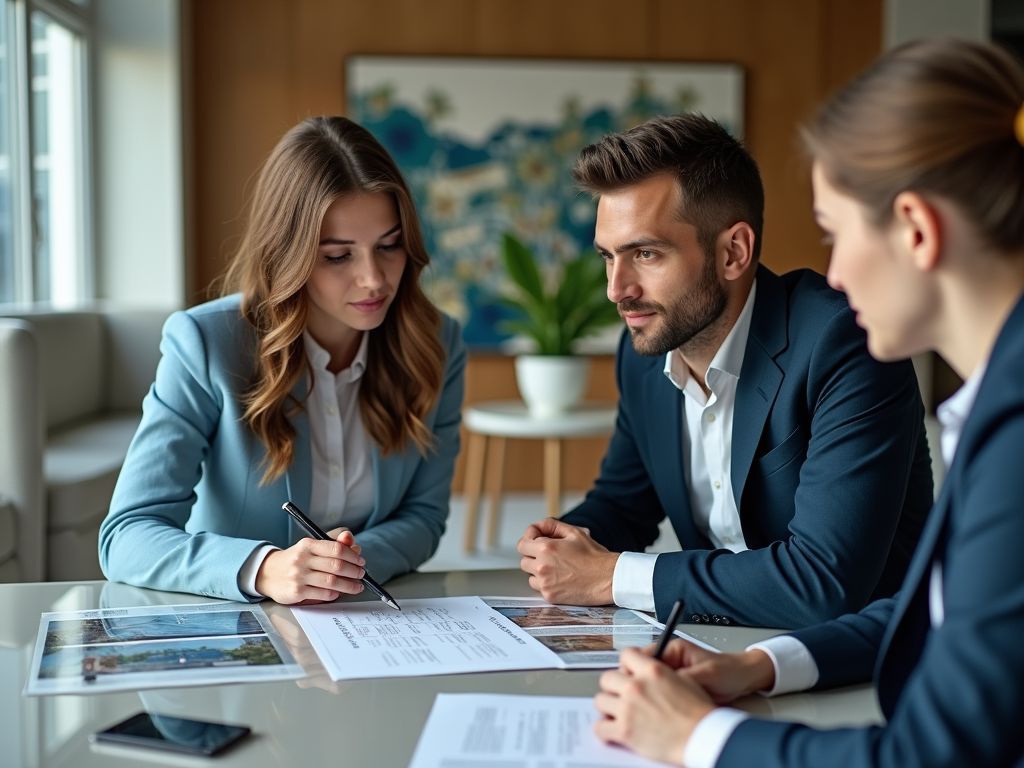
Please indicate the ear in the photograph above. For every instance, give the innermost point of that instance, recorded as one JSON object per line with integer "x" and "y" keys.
{"x": 917, "y": 227}
{"x": 735, "y": 249}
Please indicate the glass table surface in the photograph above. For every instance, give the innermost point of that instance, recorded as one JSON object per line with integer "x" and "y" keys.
{"x": 312, "y": 721}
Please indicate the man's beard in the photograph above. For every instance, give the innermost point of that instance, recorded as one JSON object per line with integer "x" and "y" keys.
{"x": 686, "y": 320}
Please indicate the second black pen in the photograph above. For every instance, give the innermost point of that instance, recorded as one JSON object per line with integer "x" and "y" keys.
{"x": 670, "y": 628}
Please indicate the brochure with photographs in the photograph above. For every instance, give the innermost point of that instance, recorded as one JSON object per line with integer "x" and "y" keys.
{"x": 117, "y": 649}
{"x": 582, "y": 637}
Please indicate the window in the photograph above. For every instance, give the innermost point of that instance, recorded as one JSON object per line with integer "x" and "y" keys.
{"x": 8, "y": 97}
{"x": 45, "y": 237}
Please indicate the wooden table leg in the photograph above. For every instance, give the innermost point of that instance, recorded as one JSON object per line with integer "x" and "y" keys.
{"x": 496, "y": 456}
{"x": 475, "y": 462}
{"x": 553, "y": 475}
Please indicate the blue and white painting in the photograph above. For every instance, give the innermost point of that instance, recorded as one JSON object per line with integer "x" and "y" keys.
{"x": 486, "y": 146}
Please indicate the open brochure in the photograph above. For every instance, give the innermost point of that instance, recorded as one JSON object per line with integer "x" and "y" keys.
{"x": 582, "y": 637}
{"x": 118, "y": 649}
{"x": 450, "y": 635}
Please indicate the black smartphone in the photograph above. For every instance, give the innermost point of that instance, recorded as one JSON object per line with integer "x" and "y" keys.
{"x": 177, "y": 734}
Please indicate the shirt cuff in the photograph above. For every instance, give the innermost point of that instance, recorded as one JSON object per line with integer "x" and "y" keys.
{"x": 247, "y": 575}
{"x": 633, "y": 581}
{"x": 709, "y": 737}
{"x": 795, "y": 667}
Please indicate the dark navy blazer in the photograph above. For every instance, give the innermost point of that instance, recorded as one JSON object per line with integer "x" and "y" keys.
{"x": 952, "y": 696}
{"x": 830, "y": 469}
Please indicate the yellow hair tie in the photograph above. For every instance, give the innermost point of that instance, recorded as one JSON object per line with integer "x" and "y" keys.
{"x": 1018, "y": 126}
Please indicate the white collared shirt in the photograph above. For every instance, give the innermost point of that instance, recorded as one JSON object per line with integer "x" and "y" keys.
{"x": 342, "y": 491}
{"x": 707, "y": 459}
{"x": 795, "y": 668}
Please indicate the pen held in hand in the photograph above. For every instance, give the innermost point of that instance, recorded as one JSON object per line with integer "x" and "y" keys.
{"x": 314, "y": 531}
{"x": 670, "y": 628}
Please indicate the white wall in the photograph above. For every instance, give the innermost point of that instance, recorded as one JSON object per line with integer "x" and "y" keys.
{"x": 140, "y": 237}
{"x": 909, "y": 19}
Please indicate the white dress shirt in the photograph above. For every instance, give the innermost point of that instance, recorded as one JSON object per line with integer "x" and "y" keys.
{"x": 342, "y": 491}
{"x": 707, "y": 459}
{"x": 795, "y": 668}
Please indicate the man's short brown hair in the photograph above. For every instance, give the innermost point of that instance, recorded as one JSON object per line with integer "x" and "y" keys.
{"x": 718, "y": 179}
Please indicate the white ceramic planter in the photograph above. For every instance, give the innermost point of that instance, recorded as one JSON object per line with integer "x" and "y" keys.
{"x": 551, "y": 385}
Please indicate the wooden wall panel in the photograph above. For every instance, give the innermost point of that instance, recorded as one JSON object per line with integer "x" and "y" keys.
{"x": 589, "y": 29}
{"x": 780, "y": 47}
{"x": 259, "y": 66}
{"x": 241, "y": 79}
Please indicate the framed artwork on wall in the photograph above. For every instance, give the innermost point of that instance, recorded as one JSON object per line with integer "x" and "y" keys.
{"x": 486, "y": 146}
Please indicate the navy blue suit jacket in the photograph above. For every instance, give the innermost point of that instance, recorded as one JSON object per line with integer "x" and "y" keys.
{"x": 830, "y": 469}
{"x": 952, "y": 696}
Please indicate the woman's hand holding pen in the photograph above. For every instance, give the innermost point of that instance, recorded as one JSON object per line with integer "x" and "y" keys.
{"x": 653, "y": 706}
{"x": 312, "y": 571}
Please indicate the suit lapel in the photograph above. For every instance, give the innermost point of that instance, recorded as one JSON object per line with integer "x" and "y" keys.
{"x": 920, "y": 563}
{"x": 664, "y": 403}
{"x": 389, "y": 475}
{"x": 299, "y": 478}
{"x": 387, "y": 478}
{"x": 760, "y": 376}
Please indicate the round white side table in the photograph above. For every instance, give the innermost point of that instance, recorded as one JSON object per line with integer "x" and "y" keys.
{"x": 490, "y": 424}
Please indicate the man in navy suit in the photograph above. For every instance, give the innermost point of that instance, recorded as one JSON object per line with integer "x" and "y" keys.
{"x": 793, "y": 466}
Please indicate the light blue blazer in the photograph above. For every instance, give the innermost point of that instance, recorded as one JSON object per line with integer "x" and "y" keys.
{"x": 188, "y": 509}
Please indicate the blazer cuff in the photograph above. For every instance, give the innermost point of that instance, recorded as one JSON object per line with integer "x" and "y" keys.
{"x": 633, "y": 581}
{"x": 795, "y": 667}
{"x": 709, "y": 737}
{"x": 247, "y": 575}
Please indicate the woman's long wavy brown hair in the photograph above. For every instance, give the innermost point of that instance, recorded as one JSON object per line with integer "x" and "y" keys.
{"x": 317, "y": 163}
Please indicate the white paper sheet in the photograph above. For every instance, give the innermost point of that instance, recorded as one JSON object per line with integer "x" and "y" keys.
{"x": 435, "y": 636}
{"x": 477, "y": 730}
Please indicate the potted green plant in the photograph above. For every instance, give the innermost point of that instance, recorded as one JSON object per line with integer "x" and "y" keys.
{"x": 553, "y": 379}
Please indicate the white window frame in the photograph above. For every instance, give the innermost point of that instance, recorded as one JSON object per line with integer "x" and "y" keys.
{"x": 78, "y": 19}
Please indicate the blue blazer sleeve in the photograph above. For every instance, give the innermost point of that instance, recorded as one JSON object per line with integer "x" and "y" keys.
{"x": 143, "y": 540}
{"x": 409, "y": 535}
{"x": 964, "y": 692}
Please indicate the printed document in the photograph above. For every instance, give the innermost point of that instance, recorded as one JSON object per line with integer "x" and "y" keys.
{"x": 485, "y": 730}
{"x": 436, "y": 636}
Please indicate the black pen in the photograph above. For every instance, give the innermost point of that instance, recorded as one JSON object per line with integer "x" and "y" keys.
{"x": 314, "y": 530}
{"x": 670, "y": 628}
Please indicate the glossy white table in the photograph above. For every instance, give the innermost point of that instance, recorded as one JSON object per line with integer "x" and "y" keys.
{"x": 311, "y": 722}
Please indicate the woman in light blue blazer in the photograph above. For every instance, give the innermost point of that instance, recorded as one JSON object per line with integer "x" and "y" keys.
{"x": 327, "y": 378}
{"x": 918, "y": 175}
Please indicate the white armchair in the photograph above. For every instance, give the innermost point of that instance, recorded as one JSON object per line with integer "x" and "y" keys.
{"x": 71, "y": 390}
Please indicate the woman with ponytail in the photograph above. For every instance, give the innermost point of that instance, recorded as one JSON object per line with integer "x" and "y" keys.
{"x": 918, "y": 175}
{"x": 324, "y": 376}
